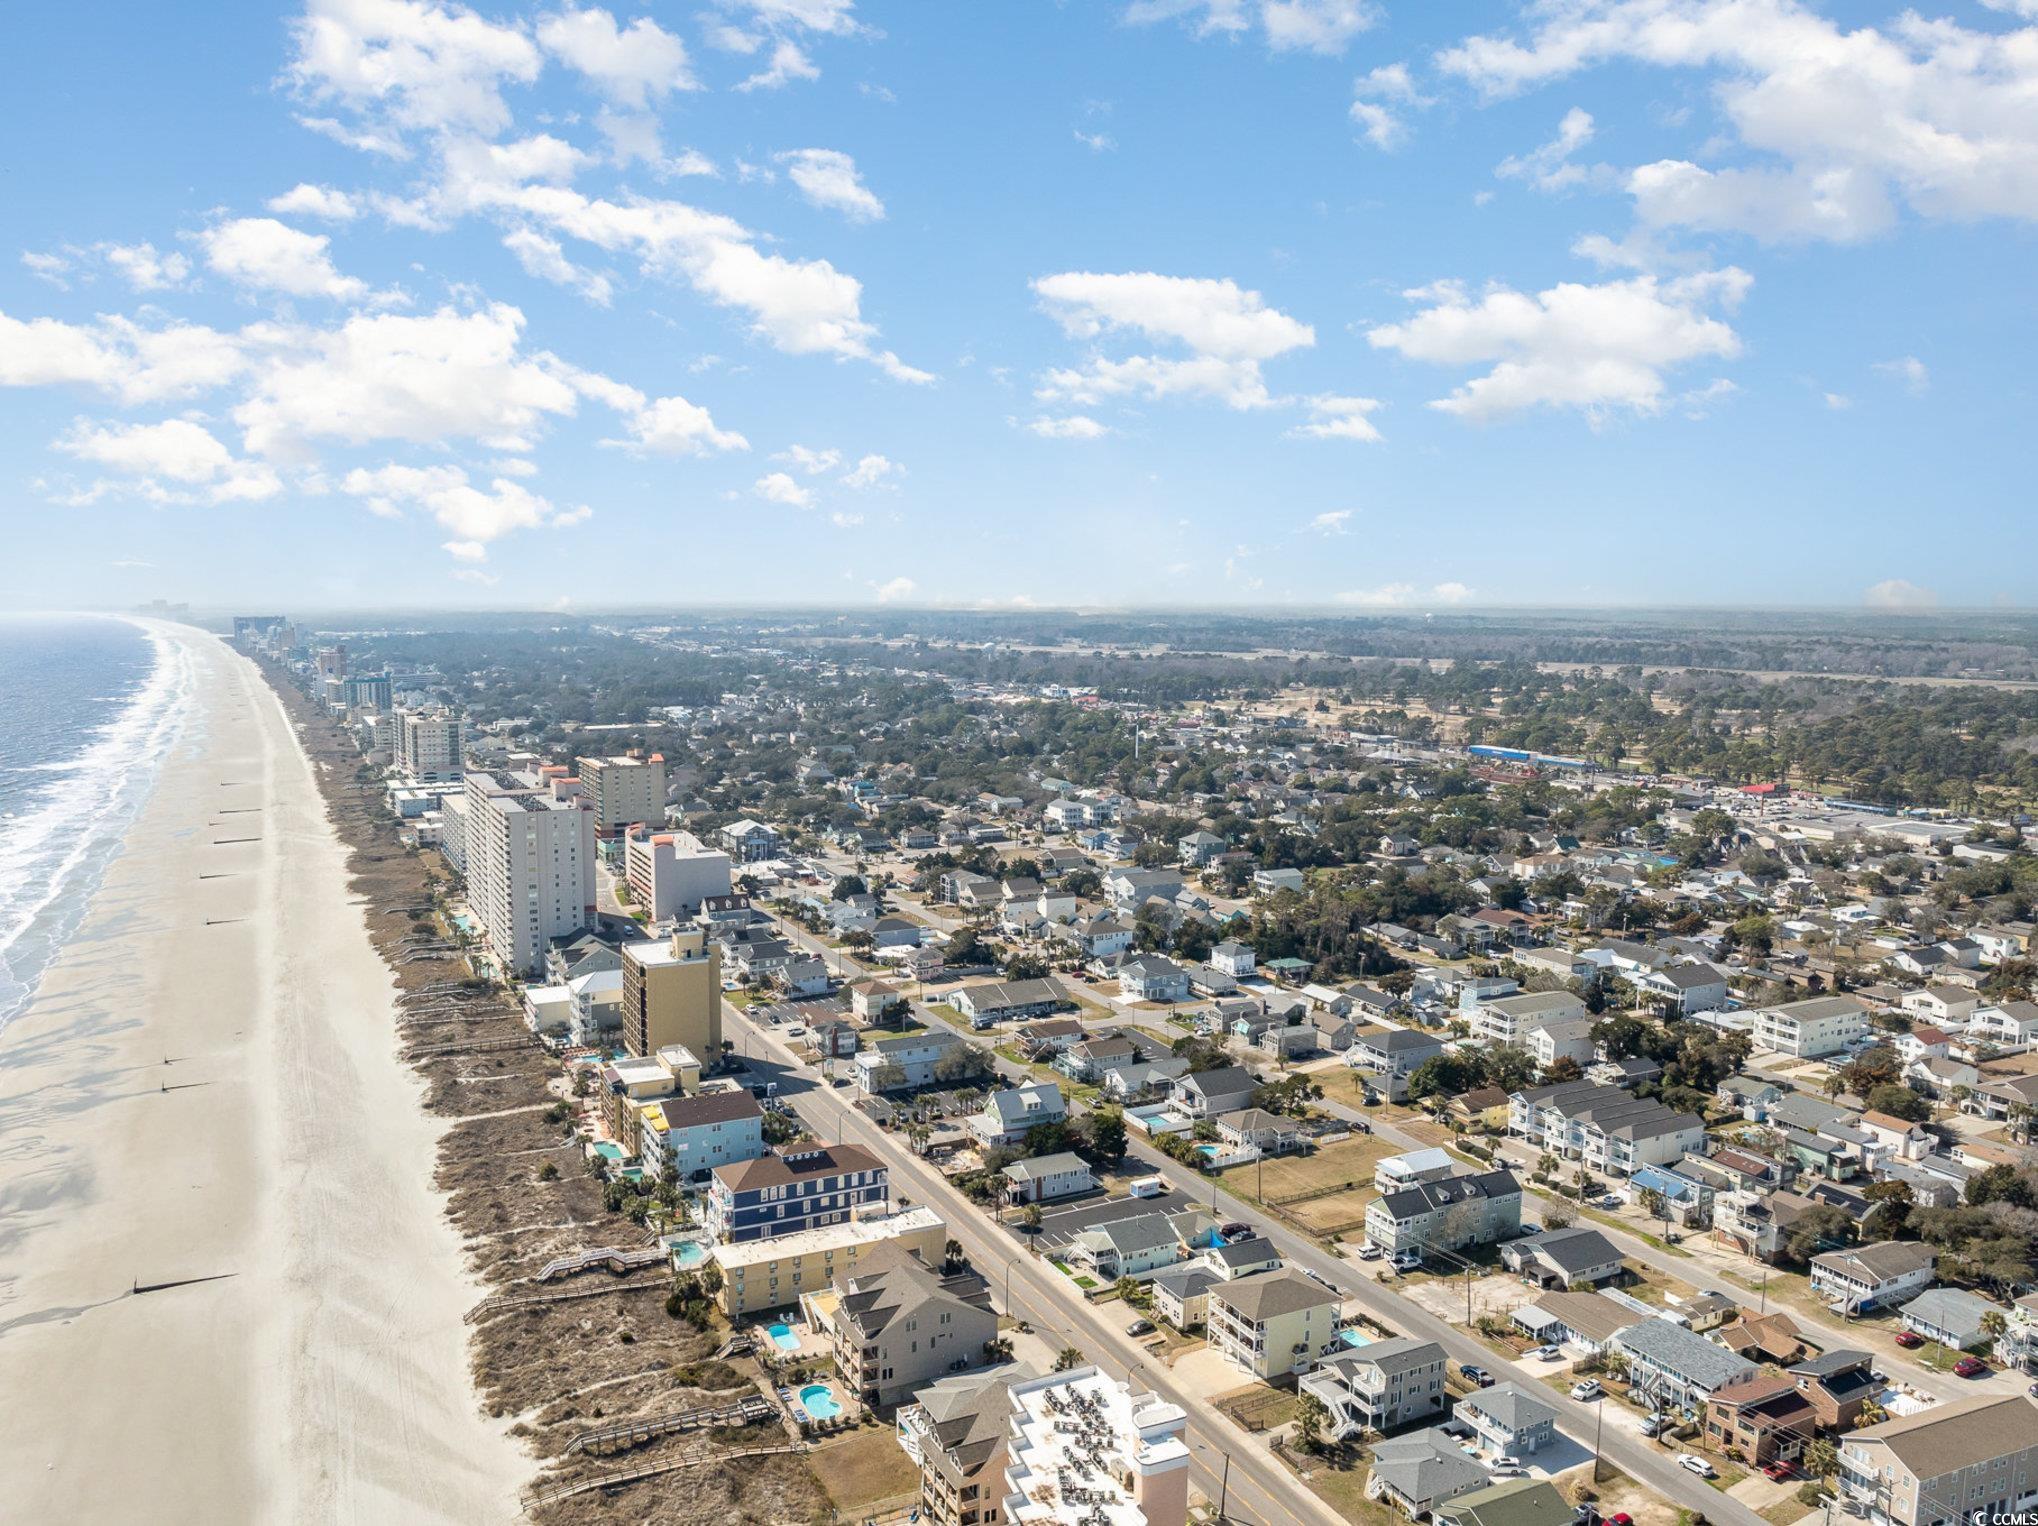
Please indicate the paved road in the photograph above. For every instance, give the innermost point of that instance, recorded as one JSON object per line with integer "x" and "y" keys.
{"x": 1645, "y": 1463}
{"x": 1260, "y": 1490}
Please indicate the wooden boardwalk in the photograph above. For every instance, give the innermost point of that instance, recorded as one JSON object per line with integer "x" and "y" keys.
{"x": 751, "y": 1409}
{"x": 548, "y": 1494}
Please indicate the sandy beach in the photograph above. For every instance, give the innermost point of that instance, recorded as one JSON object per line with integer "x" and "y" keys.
{"x": 206, "y": 1086}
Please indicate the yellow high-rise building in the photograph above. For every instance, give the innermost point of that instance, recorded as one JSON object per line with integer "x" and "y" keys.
{"x": 672, "y": 994}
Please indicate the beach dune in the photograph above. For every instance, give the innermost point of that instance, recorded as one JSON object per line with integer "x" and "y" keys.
{"x": 206, "y": 1087}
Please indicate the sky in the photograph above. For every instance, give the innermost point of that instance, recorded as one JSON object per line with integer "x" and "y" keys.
{"x": 1325, "y": 303}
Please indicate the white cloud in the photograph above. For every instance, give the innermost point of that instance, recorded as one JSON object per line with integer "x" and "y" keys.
{"x": 672, "y": 426}
{"x": 475, "y": 516}
{"x": 362, "y": 139}
{"x": 466, "y": 550}
{"x": 896, "y": 589}
{"x": 176, "y": 450}
{"x": 872, "y": 471}
{"x": 1406, "y": 596}
{"x": 788, "y": 62}
{"x": 779, "y": 487}
{"x": 1600, "y": 348}
{"x": 1910, "y": 371}
{"x": 1549, "y": 168}
{"x": 260, "y": 252}
{"x": 811, "y": 462}
{"x": 1839, "y": 402}
{"x": 1330, "y": 522}
{"x": 631, "y": 65}
{"x": 544, "y": 258}
{"x": 1377, "y": 99}
{"x": 827, "y": 177}
{"x": 1096, "y": 142}
{"x": 321, "y": 201}
{"x": 1317, "y": 26}
{"x": 409, "y": 64}
{"x": 145, "y": 269}
{"x": 841, "y": 519}
{"x": 1339, "y": 418}
{"x": 117, "y": 356}
{"x": 1847, "y": 122}
{"x": 430, "y": 378}
{"x": 1075, "y": 426}
{"x": 1228, "y": 330}
{"x": 1899, "y": 595}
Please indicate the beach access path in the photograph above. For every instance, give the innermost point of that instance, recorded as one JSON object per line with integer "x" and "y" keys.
{"x": 206, "y": 1086}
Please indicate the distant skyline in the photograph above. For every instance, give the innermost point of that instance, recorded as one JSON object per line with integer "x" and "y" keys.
{"x": 1329, "y": 305}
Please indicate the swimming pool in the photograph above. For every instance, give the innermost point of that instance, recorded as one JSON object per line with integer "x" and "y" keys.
{"x": 691, "y": 1253}
{"x": 1207, "y": 1151}
{"x": 1352, "y": 1337}
{"x": 819, "y": 1401}
{"x": 782, "y": 1336}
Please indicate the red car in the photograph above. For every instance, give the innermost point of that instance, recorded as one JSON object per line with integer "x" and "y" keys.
{"x": 1781, "y": 1470}
{"x": 1969, "y": 1367}
{"x": 1910, "y": 1340}
{"x": 1620, "y": 1518}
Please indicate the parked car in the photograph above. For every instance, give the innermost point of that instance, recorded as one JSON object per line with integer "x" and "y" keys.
{"x": 1369, "y": 1252}
{"x": 1969, "y": 1367}
{"x": 1360, "y": 1126}
{"x": 1697, "y": 1465}
{"x": 1140, "y": 1327}
{"x": 1507, "y": 1467}
{"x": 1545, "y": 1353}
{"x": 1610, "y": 1200}
{"x": 1780, "y": 1470}
{"x": 1653, "y": 1426}
{"x": 1472, "y": 1374}
{"x": 1620, "y": 1518}
{"x": 1910, "y": 1340}
{"x": 1589, "y": 1389}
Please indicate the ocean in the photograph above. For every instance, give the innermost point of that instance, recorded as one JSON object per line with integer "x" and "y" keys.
{"x": 88, "y": 708}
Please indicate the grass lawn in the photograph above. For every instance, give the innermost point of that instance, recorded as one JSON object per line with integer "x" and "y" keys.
{"x": 1344, "y": 1490}
{"x": 1348, "y": 1163}
{"x": 1786, "y": 1510}
{"x": 866, "y": 1468}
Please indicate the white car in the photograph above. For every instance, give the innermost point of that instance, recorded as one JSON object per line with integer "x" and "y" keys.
{"x": 1589, "y": 1389}
{"x": 1369, "y": 1252}
{"x": 1546, "y": 1353}
{"x": 1697, "y": 1465}
{"x": 1507, "y": 1467}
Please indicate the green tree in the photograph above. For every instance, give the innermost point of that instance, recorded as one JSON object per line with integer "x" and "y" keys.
{"x": 1899, "y": 1101}
{"x": 1066, "y": 1358}
{"x": 1309, "y": 1417}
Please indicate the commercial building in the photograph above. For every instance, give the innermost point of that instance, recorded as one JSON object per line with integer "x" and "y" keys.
{"x": 624, "y": 791}
{"x": 789, "y": 1191}
{"x": 671, "y": 873}
{"x": 698, "y": 1133}
{"x": 1976, "y": 1461}
{"x": 777, "y": 1273}
{"x": 430, "y": 746}
{"x": 900, "y": 1323}
{"x": 529, "y": 852}
{"x": 1082, "y": 1446}
{"x": 672, "y": 994}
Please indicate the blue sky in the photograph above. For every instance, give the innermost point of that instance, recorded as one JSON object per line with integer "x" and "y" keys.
{"x": 1302, "y": 302}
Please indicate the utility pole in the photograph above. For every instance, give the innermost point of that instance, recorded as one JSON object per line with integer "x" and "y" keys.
{"x": 1598, "y": 1422}
{"x": 1224, "y": 1492}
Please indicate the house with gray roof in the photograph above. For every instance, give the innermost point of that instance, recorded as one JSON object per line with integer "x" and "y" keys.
{"x": 1675, "y": 1369}
{"x": 1009, "y": 1115}
{"x": 1417, "y": 1473}
{"x": 1046, "y": 1178}
{"x": 1514, "y": 1502}
{"x": 1950, "y": 1316}
{"x": 1212, "y": 1093}
{"x": 1563, "y": 1258}
{"x": 1382, "y": 1387}
{"x": 1510, "y": 1418}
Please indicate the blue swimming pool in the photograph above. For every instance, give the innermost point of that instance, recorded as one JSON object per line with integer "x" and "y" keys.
{"x": 691, "y": 1253}
{"x": 819, "y": 1401}
{"x": 1207, "y": 1151}
{"x": 1354, "y": 1338}
{"x": 782, "y": 1336}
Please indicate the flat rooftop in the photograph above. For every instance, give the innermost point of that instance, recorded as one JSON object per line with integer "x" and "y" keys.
{"x": 871, "y": 1231}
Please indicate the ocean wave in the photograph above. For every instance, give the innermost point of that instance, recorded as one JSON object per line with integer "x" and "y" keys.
{"x": 54, "y": 855}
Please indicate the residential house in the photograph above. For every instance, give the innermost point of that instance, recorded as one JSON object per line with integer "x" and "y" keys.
{"x": 1048, "y": 1178}
{"x": 1863, "y": 1277}
{"x": 1475, "y": 1209}
{"x": 1141, "y": 1243}
{"x": 955, "y": 1432}
{"x": 1759, "y": 1420}
{"x": 1213, "y": 1093}
{"x": 1514, "y": 1502}
{"x": 1950, "y": 1316}
{"x": 903, "y": 1061}
{"x": 1271, "y": 1324}
{"x": 1673, "y": 1369}
{"x": 1009, "y": 1115}
{"x": 1550, "y": 1039}
{"x": 1258, "y": 1131}
{"x": 1770, "y": 1337}
{"x": 1418, "y": 1473}
{"x": 1390, "y": 1056}
{"x": 1807, "y": 1030}
{"x": 1839, "y": 1385}
{"x": 1509, "y": 1419}
{"x": 1381, "y": 1386}
{"x": 1273, "y": 881}
{"x": 1233, "y": 958}
{"x": 1973, "y": 1461}
{"x": 1612, "y": 1132}
{"x": 1397, "y": 1172}
{"x": 1564, "y": 1258}
{"x": 1683, "y": 989}
{"x": 1152, "y": 977}
{"x": 1008, "y": 1001}
{"x": 1586, "y": 1322}
{"x": 1181, "y": 1295}
{"x": 900, "y": 1325}
{"x": 1505, "y": 1019}
{"x": 698, "y": 1133}
{"x": 799, "y": 1188}
{"x": 1091, "y": 1061}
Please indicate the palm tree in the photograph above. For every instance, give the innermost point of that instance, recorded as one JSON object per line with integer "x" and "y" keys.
{"x": 1066, "y": 1358}
{"x": 953, "y": 1257}
{"x": 1547, "y": 1166}
{"x": 1993, "y": 1325}
{"x": 1820, "y": 1459}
